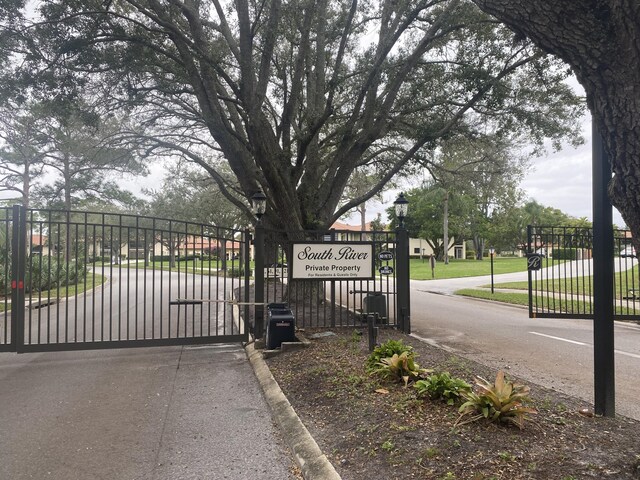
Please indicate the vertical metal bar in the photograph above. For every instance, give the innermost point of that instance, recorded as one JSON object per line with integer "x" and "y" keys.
{"x": 529, "y": 272}
{"x": 247, "y": 274}
{"x": 19, "y": 241}
{"x": 603, "y": 334}
{"x": 86, "y": 275}
{"x": 403, "y": 283}
{"x": 259, "y": 281}
{"x": 76, "y": 282}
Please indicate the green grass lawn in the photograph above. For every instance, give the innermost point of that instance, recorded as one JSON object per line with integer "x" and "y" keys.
{"x": 624, "y": 281}
{"x": 516, "y": 298}
{"x": 93, "y": 280}
{"x": 421, "y": 270}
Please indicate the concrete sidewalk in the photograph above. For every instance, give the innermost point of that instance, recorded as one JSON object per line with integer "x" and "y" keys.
{"x": 165, "y": 413}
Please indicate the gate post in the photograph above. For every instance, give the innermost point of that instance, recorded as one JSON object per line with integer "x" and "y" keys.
{"x": 18, "y": 260}
{"x": 603, "y": 274}
{"x": 258, "y": 245}
{"x": 403, "y": 311}
{"x": 247, "y": 274}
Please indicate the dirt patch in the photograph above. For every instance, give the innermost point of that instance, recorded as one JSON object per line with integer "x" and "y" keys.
{"x": 397, "y": 435}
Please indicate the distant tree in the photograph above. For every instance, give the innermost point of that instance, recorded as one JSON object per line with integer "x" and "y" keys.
{"x": 85, "y": 155}
{"x": 22, "y": 151}
{"x": 193, "y": 205}
{"x": 426, "y": 216}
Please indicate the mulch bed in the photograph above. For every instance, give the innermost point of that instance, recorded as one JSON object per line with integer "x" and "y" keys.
{"x": 396, "y": 435}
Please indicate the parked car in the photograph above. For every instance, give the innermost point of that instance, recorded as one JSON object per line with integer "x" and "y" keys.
{"x": 628, "y": 251}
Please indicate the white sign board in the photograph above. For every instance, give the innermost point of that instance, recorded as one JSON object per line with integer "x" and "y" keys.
{"x": 332, "y": 261}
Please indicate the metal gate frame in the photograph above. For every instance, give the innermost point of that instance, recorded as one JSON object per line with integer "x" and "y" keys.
{"x": 560, "y": 273}
{"x": 193, "y": 300}
{"x": 341, "y": 302}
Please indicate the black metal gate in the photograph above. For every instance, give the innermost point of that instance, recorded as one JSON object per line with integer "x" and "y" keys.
{"x": 74, "y": 280}
{"x": 561, "y": 273}
{"x": 337, "y": 303}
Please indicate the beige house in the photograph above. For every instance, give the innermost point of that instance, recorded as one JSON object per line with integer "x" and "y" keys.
{"x": 418, "y": 247}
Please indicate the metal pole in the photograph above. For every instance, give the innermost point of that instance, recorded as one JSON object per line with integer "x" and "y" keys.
{"x": 403, "y": 311}
{"x": 603, "y": 272}
{"x": 247, "y": 274}
{"x": 18, "y": 259}
{"x": 332, "y": 292}
{"x": 492, "y": 273}
{"x": 259, "y": 280}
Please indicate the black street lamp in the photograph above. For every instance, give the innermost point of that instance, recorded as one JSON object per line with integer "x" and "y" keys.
{"x": 402, "y": 208}
{"x": 259, "y": 204}
{"x": 492, "y": 252}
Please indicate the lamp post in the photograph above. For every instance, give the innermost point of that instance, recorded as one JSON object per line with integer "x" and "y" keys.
{"x": 403, "y": 310}
{"x": 492, "y": 252}
{"x": 402, "y": 207}
{"x": 259, "y": 205}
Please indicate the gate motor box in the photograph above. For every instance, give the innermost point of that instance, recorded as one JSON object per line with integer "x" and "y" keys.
{"x": 281, "y": 325}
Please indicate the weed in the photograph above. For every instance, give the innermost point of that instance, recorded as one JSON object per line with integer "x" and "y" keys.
{"x": 506, "y": 456}
{"x": 443, "y": 386}
{"x": 388, "y": 446}
{"x": 431, "y": 452}
{"x": 356, "y": 336}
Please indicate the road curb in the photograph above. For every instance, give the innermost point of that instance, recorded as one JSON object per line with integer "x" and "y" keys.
{"x": 312, "y": 462}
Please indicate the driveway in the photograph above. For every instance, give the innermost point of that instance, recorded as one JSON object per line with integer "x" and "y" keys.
{"x": 159, "y": 413}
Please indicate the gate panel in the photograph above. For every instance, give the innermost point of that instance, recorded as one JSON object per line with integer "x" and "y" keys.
{"x": 100, "y": 280}
{"x": 563, "y": 285}
{"x": 331, "y": 303}
{"x": 6, "y": 273}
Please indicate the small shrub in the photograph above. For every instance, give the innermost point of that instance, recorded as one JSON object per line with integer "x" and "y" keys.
{"x": 442, "y": 386}
{"x": 386, "y": 350}
{"x": 470, "y": 255}
{"x": 501, "y": 401}
{"x": 400, "y": 368}
{"x": 565, "y": 254}
{"x": 235, "y": 272}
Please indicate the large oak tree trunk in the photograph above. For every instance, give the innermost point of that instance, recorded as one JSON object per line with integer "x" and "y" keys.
{"x": 600, "y": 40}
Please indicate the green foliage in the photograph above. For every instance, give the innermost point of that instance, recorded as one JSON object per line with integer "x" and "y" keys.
{"x": 565, "y": 253}
{"x": 387, "y": 349}
{"x": 470, "y": 255}
{"x": 47, "y": 273}
{"x": 444, "y": 386}
{"x": 400, "y": 368}
{"x": 501, "y": 401}
{"x": 235, "y": 272}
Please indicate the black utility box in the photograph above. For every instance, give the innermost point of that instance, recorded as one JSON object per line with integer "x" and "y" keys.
{"x": 281, "y": 325}
{"x": 375, "y": 302}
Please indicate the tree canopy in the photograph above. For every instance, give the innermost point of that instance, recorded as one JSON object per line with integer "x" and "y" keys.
{"x": 600, "y": 40}
{"x": 298, "y": 95}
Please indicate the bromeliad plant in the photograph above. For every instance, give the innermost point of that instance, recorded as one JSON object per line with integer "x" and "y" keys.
{"x": 501, "y": 401}
{"x": 387, "y": 350}
{"x": 400, "y": 368}
{"x": 444, "y": 386}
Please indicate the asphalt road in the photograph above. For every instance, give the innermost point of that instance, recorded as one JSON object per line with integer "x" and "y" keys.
{"x": 556, "y": 353}
{"x": 140, "y": 414}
